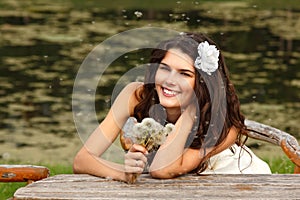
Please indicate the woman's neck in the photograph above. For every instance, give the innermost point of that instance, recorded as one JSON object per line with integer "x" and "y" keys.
{"x": 173, "y": 114}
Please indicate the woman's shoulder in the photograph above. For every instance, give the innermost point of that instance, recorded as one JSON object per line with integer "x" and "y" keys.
{"x": 130, "y": 92}
{"x": 127, "y": 99}
{"x": 132, "y": 88}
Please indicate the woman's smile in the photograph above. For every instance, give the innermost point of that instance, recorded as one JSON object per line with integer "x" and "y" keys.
{"x": 168, "y": 92}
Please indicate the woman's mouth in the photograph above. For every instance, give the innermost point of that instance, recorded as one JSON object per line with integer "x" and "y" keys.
{"x": 169, "y": 93}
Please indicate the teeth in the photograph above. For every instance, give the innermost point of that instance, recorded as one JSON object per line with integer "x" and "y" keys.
{"x": 169, "y": 92}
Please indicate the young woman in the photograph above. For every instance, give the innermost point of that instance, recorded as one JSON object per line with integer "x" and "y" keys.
{"x": 187, "y": 84}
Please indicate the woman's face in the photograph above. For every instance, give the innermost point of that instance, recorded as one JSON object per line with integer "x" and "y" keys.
{"x": 175, "y": 80}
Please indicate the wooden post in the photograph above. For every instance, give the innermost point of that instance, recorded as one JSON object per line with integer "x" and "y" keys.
{"x": 288, "y": 143}
{"x": 22, "y": 173}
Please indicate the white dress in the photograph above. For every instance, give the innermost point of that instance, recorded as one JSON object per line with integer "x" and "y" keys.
{"x": 241, "y": 161}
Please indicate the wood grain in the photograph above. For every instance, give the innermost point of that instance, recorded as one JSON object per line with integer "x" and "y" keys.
{"x": 275, "y": 186}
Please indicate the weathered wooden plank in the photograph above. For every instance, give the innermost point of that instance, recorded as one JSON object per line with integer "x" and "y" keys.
{"x": 22, "y": 173}
{"x": 275, "y": 186}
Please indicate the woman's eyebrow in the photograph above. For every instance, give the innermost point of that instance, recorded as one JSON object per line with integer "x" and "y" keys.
{"x": 165, "y": 64}
{"x": 187, "y": 70}
{"x": 182, "y": 70}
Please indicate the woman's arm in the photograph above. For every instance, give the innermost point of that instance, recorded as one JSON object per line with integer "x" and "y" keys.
{"x": 228, "y": 142}
{"x": 173, "y": 160}
{"x": 88, "y": 158}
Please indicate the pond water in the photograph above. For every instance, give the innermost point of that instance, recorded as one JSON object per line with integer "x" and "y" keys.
{"x": 43, "y": 45}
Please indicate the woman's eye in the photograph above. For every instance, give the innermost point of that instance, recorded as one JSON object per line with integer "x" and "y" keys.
{"x": 186, "y": 74}
{"x": 163, "y": 67}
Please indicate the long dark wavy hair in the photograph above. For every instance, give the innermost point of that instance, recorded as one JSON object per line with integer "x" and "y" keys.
{"x": 215, "y": 94}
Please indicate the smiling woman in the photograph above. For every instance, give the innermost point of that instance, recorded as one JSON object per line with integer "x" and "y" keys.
{"x": 187, "y": 84}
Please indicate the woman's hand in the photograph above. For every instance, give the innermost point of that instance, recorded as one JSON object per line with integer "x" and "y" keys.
{"x": 135, "y": 162}
{"x": 189, "y": 112}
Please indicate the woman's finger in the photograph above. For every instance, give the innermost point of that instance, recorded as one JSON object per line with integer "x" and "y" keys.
{"x": 135, "y": 156}
{"x": 138, "y": 148}
{"x": 134, "y": 166}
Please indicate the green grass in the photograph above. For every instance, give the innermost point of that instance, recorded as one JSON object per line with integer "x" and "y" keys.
{"x": 7, "y": 189}
{"x": 281, "y": 165}
{"x": 278, "y": 166}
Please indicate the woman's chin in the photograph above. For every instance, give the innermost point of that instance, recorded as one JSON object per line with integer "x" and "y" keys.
{"x": 170, "y": 104}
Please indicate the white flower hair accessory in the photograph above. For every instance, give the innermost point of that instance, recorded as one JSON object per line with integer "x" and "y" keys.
{"x": 208, "y": 57}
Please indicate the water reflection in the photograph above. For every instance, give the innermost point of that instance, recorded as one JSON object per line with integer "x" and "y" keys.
{"x": 43, "y": 46}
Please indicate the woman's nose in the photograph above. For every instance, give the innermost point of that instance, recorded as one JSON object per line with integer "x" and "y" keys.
{"x": 171, "y": 79}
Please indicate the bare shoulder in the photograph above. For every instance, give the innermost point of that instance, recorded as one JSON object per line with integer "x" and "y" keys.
{"x": 133, "y": 86}
{"x": 233, "y": 132}
{"x": 127, "y": 97}
{"x": 130, "y": 89}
